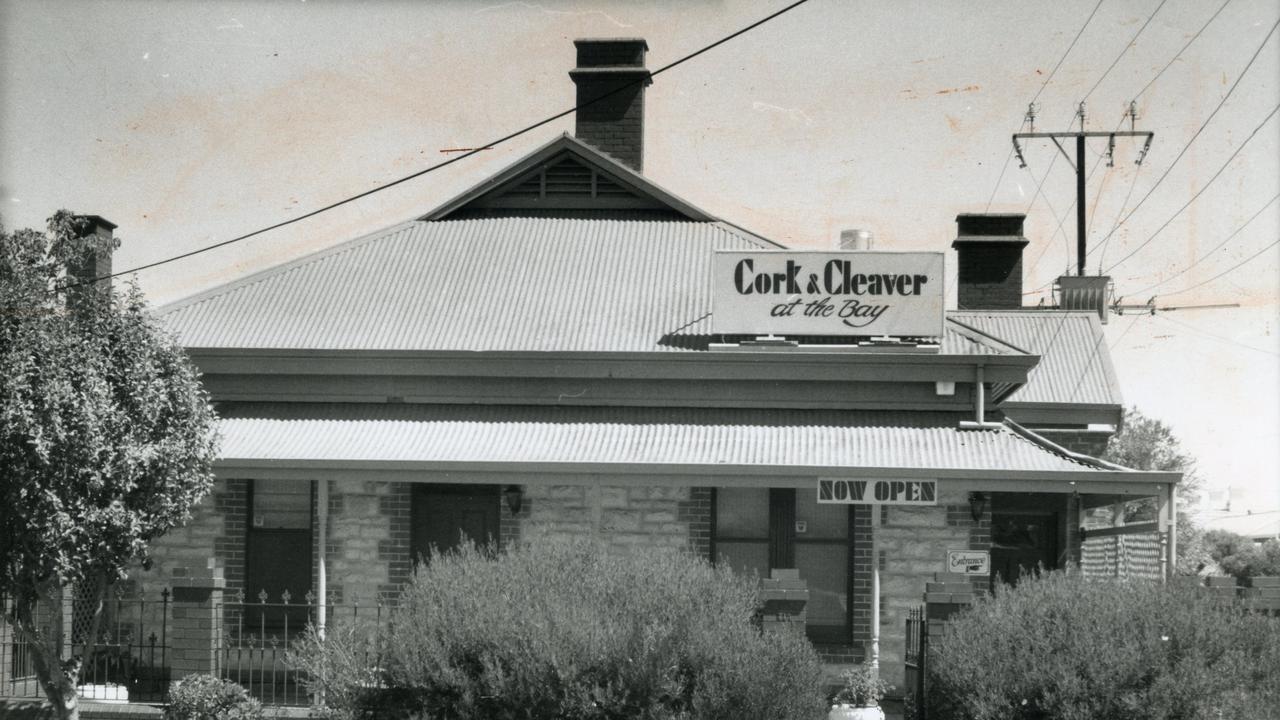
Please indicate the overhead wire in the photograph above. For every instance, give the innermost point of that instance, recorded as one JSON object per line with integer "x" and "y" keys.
{"x": 1198, "y": 193}
{"x": 1219, "y": 338}
{"x": 1043, "y": 85}
{"x": 1103, "y": 243}
{"x": 1199, "y": 130}
{"x": 1224, "y": 272}
{"x": 1116, "y": 224}
{"x": 442, "y": 164}
{"x": 1214, "y": 249}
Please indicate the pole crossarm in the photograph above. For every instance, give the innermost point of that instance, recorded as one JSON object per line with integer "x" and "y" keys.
{"x": 1081, "y": 136}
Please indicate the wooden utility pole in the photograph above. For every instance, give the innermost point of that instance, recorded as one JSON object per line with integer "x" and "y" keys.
{"x": 1079, "y": 163}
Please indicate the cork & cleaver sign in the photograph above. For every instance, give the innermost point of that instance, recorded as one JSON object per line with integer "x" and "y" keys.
{"x": 783, "y": 292}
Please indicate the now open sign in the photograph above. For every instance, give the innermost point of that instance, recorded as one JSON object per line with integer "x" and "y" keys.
{"x": 877, "y": 492}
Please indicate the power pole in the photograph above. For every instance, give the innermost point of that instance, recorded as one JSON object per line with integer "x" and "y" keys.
{"x": 1079, "y": 164}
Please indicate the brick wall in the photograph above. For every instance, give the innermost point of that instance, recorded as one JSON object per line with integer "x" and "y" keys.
{"x": 989, "y": 276}
{"x": 914, "y": 542}
{"x": 214, "y": 538}
{"x": 678, "y": 517}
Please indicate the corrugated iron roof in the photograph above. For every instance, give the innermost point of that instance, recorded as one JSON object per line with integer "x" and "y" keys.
{"x": 646, "y": 436}
{"x": 1075, "y": 364}
{"x": 504, "y": 283}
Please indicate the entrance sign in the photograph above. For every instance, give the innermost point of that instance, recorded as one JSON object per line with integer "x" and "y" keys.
{"x": 834, "y": 491}
{"x": 969, "y": 562}
{"x": 784, "y": 292}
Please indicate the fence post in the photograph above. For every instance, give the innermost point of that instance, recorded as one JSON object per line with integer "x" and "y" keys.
{"x": 197, "y": 599}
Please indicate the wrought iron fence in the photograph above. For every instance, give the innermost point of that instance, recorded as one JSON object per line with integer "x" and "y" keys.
{"x": 257, "y": 633}
{"x": 915, "y": 661}
{"x": 129, "y": 661}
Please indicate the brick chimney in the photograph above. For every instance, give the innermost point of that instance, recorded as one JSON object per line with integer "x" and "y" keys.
{"x": 615, "y": 124}
{"x": 989, "y": 248}
{"x": 95, "y": 262}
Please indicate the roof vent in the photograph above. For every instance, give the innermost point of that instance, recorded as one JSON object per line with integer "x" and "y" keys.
{"x": 855, "y": 239}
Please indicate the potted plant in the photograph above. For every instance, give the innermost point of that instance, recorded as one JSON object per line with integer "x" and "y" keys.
{"x": 859, "y": 697}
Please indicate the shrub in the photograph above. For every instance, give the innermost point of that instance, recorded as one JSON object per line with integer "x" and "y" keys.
{"x": 205, "y": 697}
{"x": 571, "y": 629}
{"x": 1062, "y": 646}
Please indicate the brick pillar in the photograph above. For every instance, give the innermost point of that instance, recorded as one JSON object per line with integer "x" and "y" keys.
{"x": 197, "y": 600}
{"x": 784, "y": 597}
{"x": 947, "y": 595}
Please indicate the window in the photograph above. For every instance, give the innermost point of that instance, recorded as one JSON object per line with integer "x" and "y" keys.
{"x": 758, "y": 530}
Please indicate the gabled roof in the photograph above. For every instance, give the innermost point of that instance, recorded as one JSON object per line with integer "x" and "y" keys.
{"x": 567, "y": 174}
{"x": 1075, "y": 363}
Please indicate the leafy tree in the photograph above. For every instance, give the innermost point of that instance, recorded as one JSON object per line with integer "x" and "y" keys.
{"x": 1145, "y": 443}
{"x": 1241, "y": 557}
{"x": 106, "y": 441}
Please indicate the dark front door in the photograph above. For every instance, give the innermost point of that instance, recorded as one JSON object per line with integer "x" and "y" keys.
{"x": 1023, "y": 542}
{"x": 443, "y": 516}
{"x": 277, "y": 556}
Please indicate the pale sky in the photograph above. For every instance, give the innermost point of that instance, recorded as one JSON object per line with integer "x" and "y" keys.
{"x": 187, "y": 123}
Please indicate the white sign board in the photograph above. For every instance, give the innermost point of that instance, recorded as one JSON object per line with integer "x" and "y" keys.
{"x": 783, "y": 292}
{"x": 969, "y": 562}
{"x": 835, "y": 491}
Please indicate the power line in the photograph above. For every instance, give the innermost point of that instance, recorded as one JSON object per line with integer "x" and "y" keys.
{"x": 1203, "y": 125}
{"x": 1031, "y": 105}
{"x": 1219, "y": 338}
{"x": 1133, "y": 103}
{"x": 1068, "y": 52}
{"x": 1215, "y": 248}
{"x": 1174, "y": 59}
{"x": 479, "y": 148}
{"x": 1150, "y": 17}
{"x": 1224, "y": 272}
{"x": 1198, "y": 192}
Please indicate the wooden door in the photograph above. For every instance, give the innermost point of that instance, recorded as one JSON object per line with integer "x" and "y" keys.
{"x": 443, "y": 516}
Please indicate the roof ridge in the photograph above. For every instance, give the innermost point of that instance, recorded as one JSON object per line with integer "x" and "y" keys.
{"x": 985, "y": 338}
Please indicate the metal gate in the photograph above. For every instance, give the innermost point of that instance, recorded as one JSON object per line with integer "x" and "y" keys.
{"x": 915, "y": 660}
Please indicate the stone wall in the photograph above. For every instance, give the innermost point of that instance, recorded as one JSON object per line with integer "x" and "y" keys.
{"x": 368, "y": 543}
{"x": 652, "y": 516}
{"x": 212, "y": 539}
{"x": 913, "y": 543}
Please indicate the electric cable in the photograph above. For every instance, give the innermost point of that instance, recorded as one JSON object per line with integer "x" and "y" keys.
{"x": 1203, "y": 125}
{"x": 442, "y": 164}
{"x": 1215, "y": 248}
{"x": 1224, "y": 272}
{"x": 1152, "y": 81}
{"x": 1219, "y": 338}
{"x": 1136, "y": 35}
{"x": 1043, "y": 85}
{"x": 1199, "y": 192}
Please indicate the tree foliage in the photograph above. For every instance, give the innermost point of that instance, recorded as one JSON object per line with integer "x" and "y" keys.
{"x": 106, "y": 438}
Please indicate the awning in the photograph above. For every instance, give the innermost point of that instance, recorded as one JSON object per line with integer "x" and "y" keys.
{"x": 742, "y": 446}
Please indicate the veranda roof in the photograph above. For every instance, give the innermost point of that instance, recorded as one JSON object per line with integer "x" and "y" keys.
{"x": 730, "y": 443}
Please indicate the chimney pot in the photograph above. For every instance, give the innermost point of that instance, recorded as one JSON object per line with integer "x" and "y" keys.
{"x": 95, "y": 262}
{"x": 989, "y": 249}
{"x": 611, "y": 77}
{"x": 855, "y": 239}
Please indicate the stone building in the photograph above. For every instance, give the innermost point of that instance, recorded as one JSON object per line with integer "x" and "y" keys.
{"x": 541, "y": 354}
